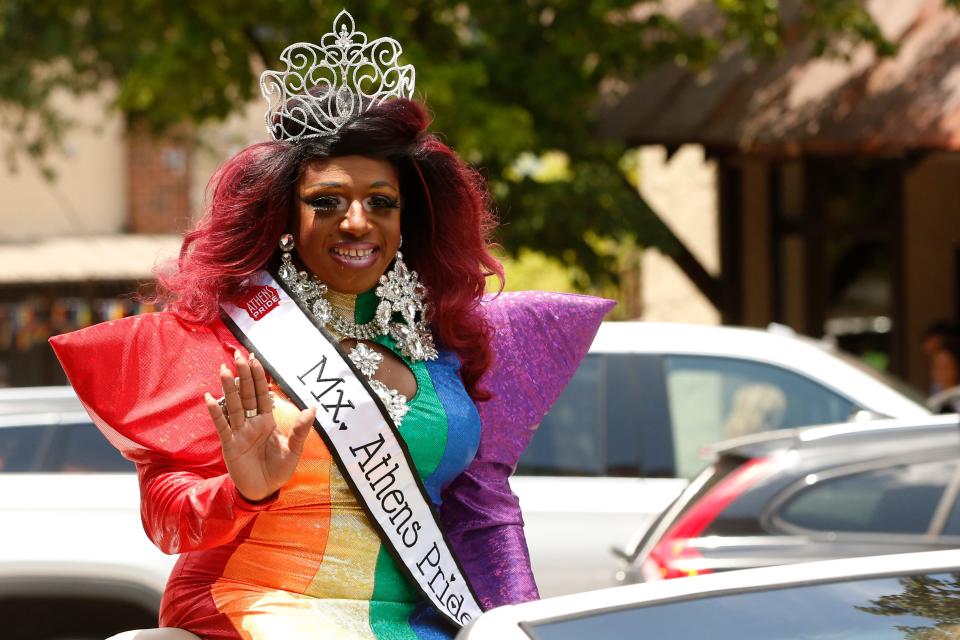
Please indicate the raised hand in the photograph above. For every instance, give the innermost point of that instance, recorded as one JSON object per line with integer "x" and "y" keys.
{"x": 259, "y": 457}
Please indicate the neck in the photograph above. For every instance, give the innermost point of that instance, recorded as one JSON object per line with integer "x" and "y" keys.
{"x": 344, "y": 304}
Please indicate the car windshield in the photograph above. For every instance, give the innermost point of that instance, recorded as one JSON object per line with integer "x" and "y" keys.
{"x": 917, "y": 606}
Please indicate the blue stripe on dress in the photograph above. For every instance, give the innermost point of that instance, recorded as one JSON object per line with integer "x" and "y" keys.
{"x": 429, "y": 624}
{"x": 463, "y": 423}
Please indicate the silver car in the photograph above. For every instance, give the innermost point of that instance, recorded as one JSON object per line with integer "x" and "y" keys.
{"x": 892, "y": 597}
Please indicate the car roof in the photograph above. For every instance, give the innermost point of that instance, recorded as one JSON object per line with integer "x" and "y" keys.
{"x": 681, "y": 337}
{"x": 780, "y": 347}
{"x": 38, "y": 399}
{"x": 503, "y": 622}
{"x": 874, "y": 431}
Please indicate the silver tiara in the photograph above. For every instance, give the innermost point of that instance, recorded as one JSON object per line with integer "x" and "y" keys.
{"x": 325, "y": 85}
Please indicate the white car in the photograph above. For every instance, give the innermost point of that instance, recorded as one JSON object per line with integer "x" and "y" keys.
{"x": 909, "y": 595}
{"x": 74, "y": 560}
{"x": 620, "y": 444}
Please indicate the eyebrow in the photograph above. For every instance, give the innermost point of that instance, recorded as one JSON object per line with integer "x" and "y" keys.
{"x": 378, "y": 183}
{"x": 324, "y": 184}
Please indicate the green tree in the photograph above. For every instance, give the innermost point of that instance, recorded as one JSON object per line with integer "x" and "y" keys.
{"x": 506, "y": 80}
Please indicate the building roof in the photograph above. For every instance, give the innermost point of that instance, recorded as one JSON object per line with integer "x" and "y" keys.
{"x": 85, "y": 258}
{"x": 796, "y": 104}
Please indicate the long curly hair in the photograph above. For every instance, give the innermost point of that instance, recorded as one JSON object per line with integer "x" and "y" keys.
{"x": 446, "y": 224}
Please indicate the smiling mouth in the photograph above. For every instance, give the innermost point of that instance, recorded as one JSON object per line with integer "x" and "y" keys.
{"x": 355, "y": 255}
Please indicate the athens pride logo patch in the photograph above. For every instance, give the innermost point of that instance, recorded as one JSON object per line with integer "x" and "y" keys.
{"x": 260, "y": 300}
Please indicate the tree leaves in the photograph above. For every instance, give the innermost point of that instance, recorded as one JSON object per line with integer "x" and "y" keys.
{"x": 503, "y": 78}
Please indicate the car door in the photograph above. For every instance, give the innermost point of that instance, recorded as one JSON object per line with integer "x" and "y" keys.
{"x": 598, "y": 467}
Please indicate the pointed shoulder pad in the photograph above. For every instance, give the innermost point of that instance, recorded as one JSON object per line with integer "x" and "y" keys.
{"x": 539, "y": 339}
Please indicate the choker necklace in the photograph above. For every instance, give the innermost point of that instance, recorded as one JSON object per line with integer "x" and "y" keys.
{"x": 338, "y": 317}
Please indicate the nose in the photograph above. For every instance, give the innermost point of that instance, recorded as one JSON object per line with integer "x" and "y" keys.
{"x": 355, "y": 222}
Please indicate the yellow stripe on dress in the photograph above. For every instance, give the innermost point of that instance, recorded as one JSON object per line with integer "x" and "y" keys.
{"x": 350, "y": 562}
{"x": 264, "y": 583}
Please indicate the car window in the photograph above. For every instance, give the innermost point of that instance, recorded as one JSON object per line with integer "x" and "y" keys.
{"x": 22, "y": 447}
{"x": 592, "y": 429}
{"x": 952, "y": 525}
{"x": 900, "y": 499}
{"x": 712, "y": 399}
{"x": 81, "y": 448}
{"x": 857, "y": 609}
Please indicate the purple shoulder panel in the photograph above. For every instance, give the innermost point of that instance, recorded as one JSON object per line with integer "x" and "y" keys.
{"x": 538, "y": 341}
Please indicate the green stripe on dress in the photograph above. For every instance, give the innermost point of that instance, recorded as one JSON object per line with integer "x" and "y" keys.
{"x": 424, "y": 429}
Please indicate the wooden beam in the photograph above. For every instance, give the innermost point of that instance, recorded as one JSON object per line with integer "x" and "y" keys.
{"x": 708, "y": 285}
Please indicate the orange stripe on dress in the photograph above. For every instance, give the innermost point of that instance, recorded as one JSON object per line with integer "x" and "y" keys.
{"x": 286, "y": 545}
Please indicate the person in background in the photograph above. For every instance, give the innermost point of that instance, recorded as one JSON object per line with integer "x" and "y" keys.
{"x": 945, "y": 376}
{"x": 936, "y": 338}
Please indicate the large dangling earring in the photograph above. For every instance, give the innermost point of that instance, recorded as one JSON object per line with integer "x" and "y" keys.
{"x": 310, "y": 289}
{"x": 401, "y": 292}
{"x": 287, "y": 270}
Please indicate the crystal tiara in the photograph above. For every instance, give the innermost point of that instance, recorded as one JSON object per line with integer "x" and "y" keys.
{"x": 325, "y": 85}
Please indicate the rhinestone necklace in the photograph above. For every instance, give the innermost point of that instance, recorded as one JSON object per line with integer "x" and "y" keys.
{"x": 335, "y": 311}
{"x": 342, "y": 307}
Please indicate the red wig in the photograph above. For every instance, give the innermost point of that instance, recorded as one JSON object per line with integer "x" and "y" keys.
{"x": 446, "y": 225}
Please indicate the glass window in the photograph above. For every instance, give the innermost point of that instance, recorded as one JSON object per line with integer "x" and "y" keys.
{"x": 712, "y": 399}
{"x": 858, "y": 609}
{"x": 899, "y": 499}
{"x": 952, "y": 526}
{"x": 83, "y": 449}
{"x": 22, "y": 447}
{"x": 592, "y": 429}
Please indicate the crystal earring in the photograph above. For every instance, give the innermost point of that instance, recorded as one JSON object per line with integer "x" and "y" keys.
{"x": 305, "y": 284}
{"x": 401, "y": 292}
{"x": 287, "y": 270}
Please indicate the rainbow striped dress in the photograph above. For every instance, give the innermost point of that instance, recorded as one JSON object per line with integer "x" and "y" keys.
{"x": 308, "y": 563}
{"x": 311, "y": 565}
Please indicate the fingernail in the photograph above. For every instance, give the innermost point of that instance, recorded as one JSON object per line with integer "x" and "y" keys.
{"x": 223, "y": 368}
{"x": 236, "y": 354}
{"x": 207, "y": 396}
{"x": 253, "y": 356}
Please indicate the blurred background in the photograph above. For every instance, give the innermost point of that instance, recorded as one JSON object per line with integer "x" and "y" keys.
{"x": 788, "y": 165}
{"x": 727, "y": 161}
